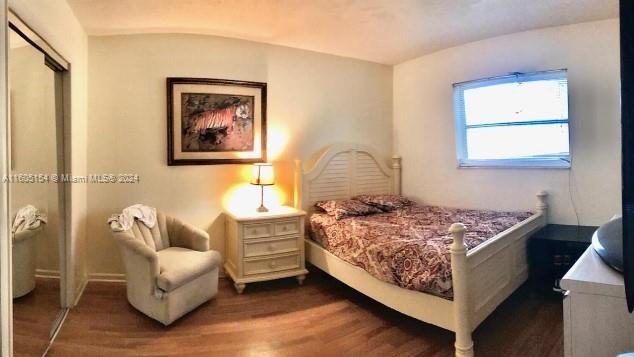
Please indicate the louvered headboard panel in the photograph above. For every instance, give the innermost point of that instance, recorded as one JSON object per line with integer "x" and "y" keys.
{"x": 342, "y": 171}
{"x": 370, "y": 177}
{"x": 334, "y": 181}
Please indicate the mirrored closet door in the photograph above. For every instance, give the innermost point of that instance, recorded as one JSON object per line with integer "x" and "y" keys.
{"x": 36, "y": 200}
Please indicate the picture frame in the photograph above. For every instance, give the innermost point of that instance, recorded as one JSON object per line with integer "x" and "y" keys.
{"x": 215, "y": 121}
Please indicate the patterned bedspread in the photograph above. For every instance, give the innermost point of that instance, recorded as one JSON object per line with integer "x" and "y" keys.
{"x": 410, "y": 246}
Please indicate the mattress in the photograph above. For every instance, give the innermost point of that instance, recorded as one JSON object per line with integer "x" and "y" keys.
{"x": 409, "y": 247}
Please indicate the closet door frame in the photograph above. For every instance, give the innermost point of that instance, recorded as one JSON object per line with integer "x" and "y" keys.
{"x": 6, "y": 306}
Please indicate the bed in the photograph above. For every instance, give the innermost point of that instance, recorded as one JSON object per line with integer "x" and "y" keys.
{"x": 481, "y": 277}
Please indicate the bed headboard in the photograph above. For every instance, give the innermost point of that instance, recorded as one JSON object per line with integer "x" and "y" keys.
{"x": 342, "y": 171}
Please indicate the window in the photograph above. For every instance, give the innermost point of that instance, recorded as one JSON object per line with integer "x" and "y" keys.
{"x": 519, "y": 120}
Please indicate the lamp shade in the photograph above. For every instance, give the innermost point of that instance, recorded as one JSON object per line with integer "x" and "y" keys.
{"x": 262, "y": 174}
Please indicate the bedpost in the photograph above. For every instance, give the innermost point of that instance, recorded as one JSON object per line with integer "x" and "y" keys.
{"x": 297, "y": 190}
{"x": 461, "y": 311}
{"x": 542, "y": 205}
{"x": 396, "y": 174}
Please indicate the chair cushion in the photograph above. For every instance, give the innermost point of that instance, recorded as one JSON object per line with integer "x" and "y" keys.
{"x": 178, "y": 266}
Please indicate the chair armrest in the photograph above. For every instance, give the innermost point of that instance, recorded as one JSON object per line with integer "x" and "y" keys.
{"x": 24, "y": 234}
{"x": 141, "y": 262}
{"x": 187, "y": 236}
{"x": 127, "y": 241}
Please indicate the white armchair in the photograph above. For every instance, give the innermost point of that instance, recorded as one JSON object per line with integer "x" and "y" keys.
{"x": 169, "y": 268}
{"x": 23, "y": 259}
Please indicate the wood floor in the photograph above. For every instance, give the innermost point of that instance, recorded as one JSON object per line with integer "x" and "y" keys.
{"x": 33, "y": 317}
{"x": 322, "y": 318}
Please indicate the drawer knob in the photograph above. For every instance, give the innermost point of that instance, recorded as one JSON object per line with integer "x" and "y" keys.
{"x": 272, "y": 264}
{"x": 284, "y": 228}
{"x": 271, "y": 247}
{"x": 254, "y": 231}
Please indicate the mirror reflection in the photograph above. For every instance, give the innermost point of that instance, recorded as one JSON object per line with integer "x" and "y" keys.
{"x": 34, "y": 200}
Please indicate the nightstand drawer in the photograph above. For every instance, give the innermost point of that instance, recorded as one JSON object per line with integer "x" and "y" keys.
{"x": 259, "y": 230}
{"x": 270, "y": 265}
{"x": 287, "y": 227}
{"x": 271, "y": 246}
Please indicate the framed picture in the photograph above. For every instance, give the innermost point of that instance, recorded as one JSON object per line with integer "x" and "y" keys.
{"x": 215, "y": 121}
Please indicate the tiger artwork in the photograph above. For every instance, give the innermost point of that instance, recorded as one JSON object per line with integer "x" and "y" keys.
{"x": 219, "y": 119}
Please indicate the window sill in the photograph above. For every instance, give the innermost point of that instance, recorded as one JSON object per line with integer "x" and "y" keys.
{"x": 514, "y": 164}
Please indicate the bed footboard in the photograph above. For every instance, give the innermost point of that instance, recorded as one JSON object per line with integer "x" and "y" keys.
{"x": 485, "y": 276}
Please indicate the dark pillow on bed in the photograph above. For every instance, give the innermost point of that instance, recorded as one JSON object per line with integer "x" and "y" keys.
{"x": 346, "y": 208}
{"x": 385, "y": 202}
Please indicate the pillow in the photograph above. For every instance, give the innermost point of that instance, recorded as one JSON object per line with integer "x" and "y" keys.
{"x": 385, "y": 202}
{"x": 346, "y": 208}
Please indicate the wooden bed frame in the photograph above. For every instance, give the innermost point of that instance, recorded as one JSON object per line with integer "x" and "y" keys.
{"x": 483, "y": 277}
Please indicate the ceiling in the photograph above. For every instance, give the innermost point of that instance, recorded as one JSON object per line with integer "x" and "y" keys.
{"x": 384, "y": 31}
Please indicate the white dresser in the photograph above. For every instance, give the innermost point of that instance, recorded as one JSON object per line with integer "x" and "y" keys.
{"x": 264, "y": 246}
{"x": 596, "y": 321}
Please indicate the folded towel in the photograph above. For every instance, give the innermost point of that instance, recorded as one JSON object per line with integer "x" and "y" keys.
{"x": 28, "y": 216}
{"x": 124, "y": 221}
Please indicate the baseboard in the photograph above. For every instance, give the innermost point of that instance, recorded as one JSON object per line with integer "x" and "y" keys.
{"x": 47, "y": 273}
{"x": 107, "y": 277}
{"x": 120, "y": 278}
{"x": 80, "y": 291}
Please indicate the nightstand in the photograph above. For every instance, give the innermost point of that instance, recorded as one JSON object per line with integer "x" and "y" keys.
{"x": 553, "y": 250}
{"x": 264, "y": 246}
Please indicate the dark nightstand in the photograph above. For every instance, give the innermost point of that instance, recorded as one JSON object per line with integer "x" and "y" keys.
{"x": 553, "y": 250}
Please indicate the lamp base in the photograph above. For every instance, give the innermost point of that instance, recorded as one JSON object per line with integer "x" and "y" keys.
{"x": 262, "y": 208}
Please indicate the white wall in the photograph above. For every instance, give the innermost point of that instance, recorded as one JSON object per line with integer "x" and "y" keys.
{"x": 54, "y": 21}
{"x": 313, "y": 100}
{"x": 424, "y": 122}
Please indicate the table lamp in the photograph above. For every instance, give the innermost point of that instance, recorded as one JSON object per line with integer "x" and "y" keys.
{"x": 262, "y": 176}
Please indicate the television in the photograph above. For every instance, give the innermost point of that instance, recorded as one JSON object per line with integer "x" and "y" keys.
{"x": 627, "y": 144}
